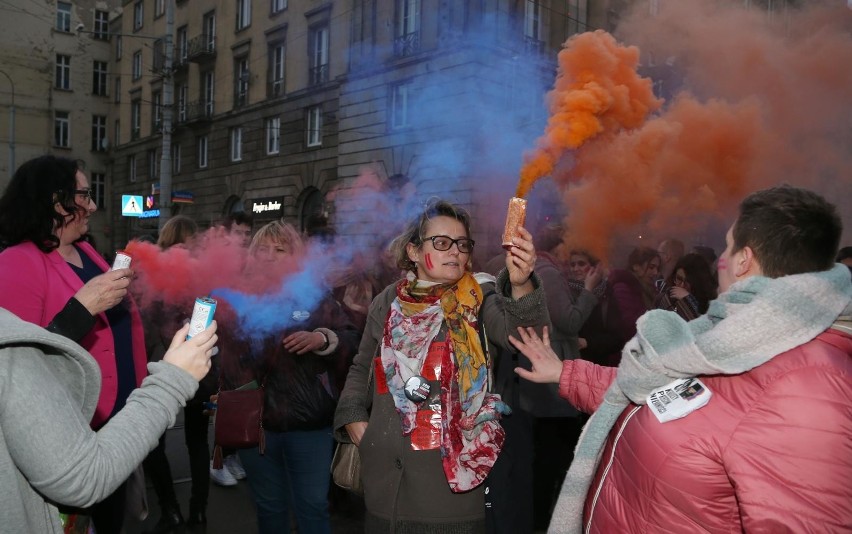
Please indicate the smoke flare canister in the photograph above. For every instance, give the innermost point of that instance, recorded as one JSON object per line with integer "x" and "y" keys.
{"x": 122, "y": 260}
{"x": 202, "y": 315}
{"x": 515, "y": 217}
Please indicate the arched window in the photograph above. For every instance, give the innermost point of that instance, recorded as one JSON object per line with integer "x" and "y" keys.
{"x": 312, "y": 213}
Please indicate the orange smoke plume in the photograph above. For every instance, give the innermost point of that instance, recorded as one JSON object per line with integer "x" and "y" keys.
{"x": 597, "y": 91}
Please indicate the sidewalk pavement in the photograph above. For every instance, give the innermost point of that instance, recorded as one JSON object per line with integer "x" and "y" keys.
{"x": 230, "y": 509}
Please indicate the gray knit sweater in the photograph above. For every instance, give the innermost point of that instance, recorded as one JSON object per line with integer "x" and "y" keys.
{"x": 49, "y": 388}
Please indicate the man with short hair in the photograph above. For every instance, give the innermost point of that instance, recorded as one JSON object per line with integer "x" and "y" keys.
{"x": 738, "y": 421}
{"x": 671, "y": 250}
{"x": 238, "y": 227}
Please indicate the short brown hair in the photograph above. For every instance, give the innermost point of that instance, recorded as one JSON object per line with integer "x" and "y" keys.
{"x": 790, "y": 230}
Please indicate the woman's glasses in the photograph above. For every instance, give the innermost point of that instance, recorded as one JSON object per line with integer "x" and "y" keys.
{"x": 578, "y": 263}
{"x": 444, "y": 242}
{"x": 84, "y": 192}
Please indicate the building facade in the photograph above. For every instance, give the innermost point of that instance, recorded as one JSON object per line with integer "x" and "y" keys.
{"x": 279, "y": 102}
{"x": 54, "y": 73}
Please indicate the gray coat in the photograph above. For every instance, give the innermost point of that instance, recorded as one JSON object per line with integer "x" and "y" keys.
{"x": 406, "y": 490}
{"x": 49, "y": 389}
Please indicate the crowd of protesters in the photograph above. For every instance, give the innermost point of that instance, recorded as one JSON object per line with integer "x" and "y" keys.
{"x": 465, "y": 391}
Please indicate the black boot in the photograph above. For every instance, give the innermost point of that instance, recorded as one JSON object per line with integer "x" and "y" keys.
{"x": 197, "y": 518}
{"x": 170, "y": 521}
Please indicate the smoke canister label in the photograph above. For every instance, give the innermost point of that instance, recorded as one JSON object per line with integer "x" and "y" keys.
{"x": 122, "y": 260}
{"x": 202, "y": 315}
{"x": 515, "y": 217}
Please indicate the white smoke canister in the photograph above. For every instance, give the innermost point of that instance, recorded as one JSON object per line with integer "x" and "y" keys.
{"x": 202, "y": 315}
{"x": 122, "y": 260}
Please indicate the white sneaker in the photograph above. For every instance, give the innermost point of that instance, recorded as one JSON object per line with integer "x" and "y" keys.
{"x": 222, "y": 477}
{"x": 232, "y": 464}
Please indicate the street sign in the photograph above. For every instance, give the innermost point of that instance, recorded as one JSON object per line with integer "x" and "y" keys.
{"x": 131, "y": 205}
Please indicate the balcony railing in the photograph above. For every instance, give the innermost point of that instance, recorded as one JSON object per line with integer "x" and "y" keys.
{"x": 201, "y": 47}
{"x": 532, "y": 46}
{"x": 407, "y": 44}
{"x": 318, "y": 74}
{"x": 275, "y": 88}
{"x": 200, "y": 110}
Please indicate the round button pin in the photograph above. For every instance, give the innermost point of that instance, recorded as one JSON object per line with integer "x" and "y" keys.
{"x": 417, "y": 389}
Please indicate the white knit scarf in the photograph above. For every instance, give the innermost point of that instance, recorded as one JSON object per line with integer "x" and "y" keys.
{"x": 747, "y": 326}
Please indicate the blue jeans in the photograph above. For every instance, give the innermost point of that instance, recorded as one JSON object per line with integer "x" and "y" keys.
{"x": 294, "y": 473}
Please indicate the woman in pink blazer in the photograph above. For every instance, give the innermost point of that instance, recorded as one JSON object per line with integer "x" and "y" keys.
{"x": 50, "y": 276}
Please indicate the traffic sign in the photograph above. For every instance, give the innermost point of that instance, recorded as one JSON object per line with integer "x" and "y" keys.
{"x": 131, "y": 205}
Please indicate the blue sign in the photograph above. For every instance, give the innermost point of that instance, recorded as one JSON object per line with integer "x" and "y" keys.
{"x": 149, "y": 214}
{"x": 131, "y": 205}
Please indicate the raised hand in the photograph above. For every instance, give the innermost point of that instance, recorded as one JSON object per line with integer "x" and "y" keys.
{"x": 105, "y": 290}
{"x": 520, "y": 261}
{"x": 546, "y": 365}
{"x": 193, "y": 355}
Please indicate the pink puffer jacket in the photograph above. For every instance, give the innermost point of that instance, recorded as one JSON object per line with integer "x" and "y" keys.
{"x": 771, "y": 452}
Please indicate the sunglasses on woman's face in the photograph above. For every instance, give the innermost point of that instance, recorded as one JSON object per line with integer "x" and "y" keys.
{"x": 578, "y": 263}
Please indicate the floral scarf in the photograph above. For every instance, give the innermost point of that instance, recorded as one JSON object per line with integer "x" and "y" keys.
{"x": 471, "y": 437}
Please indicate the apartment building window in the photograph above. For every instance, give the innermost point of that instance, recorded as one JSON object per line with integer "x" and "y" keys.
{"x": 63, "y": 72}
{"x": 273, "y": 135}
{"x": 156, "y": 111}
{"x": 116, "y": 132}
{"x": 400, "y": 105}
{"x": 208, "y": 83}
{"x": 137, "y": 15}
{"x": 243, "y": 14}
{"x": 99, "y": 78}
{"x": 137, "y": 65}
{"x": 135, "y": 119}
{"x": 241, "y": 81}
{"x": 99, "y": 134}
{"x": 101, "y": 27}
{"x": 62, "y": 129}
{"x": 182, "y": 45}
{"x": 131, "y": 167}
{"x": 63, "y": 16}
{"x": 236, "y": 135}
{"x": 276, "y": 69}
{"x": 318, "y": 50}
{"x": 314, "y": 130}
{"x": 117, "y": 96}
{"x": 153, "y": 163}
{"x": 201, "y": 142}
{"x": 119, "y": 47}
{"x": 183, "y": 94}
{"x": 407, "y": 39}
{"x": 159, "y": 8}
{"x": 532, "y": 20}
{"x": 97, "y": 181}
{"x": 278, "y": 6}
{"x": 176, "y": 158}
{"x": 209, "y": 24}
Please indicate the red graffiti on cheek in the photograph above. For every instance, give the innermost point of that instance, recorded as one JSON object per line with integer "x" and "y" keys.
{"x": 429, "y": 263}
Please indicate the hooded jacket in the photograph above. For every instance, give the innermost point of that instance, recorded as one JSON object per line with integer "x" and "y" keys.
{"x": 49, "y": 389}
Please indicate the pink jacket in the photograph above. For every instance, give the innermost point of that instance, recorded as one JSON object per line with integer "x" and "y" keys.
{"x": 35, "y": 286}
{"x": 771, "y": 452}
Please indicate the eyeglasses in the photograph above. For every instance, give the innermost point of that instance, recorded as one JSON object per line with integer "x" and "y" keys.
{"x": 444, "y": 242}
{"x": 84, "y": 192}
{"x": 579, "y": 263}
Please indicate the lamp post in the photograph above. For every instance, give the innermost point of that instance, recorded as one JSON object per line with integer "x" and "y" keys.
{"x": 11, "y": 127}
{"x": 168, "y": 100}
